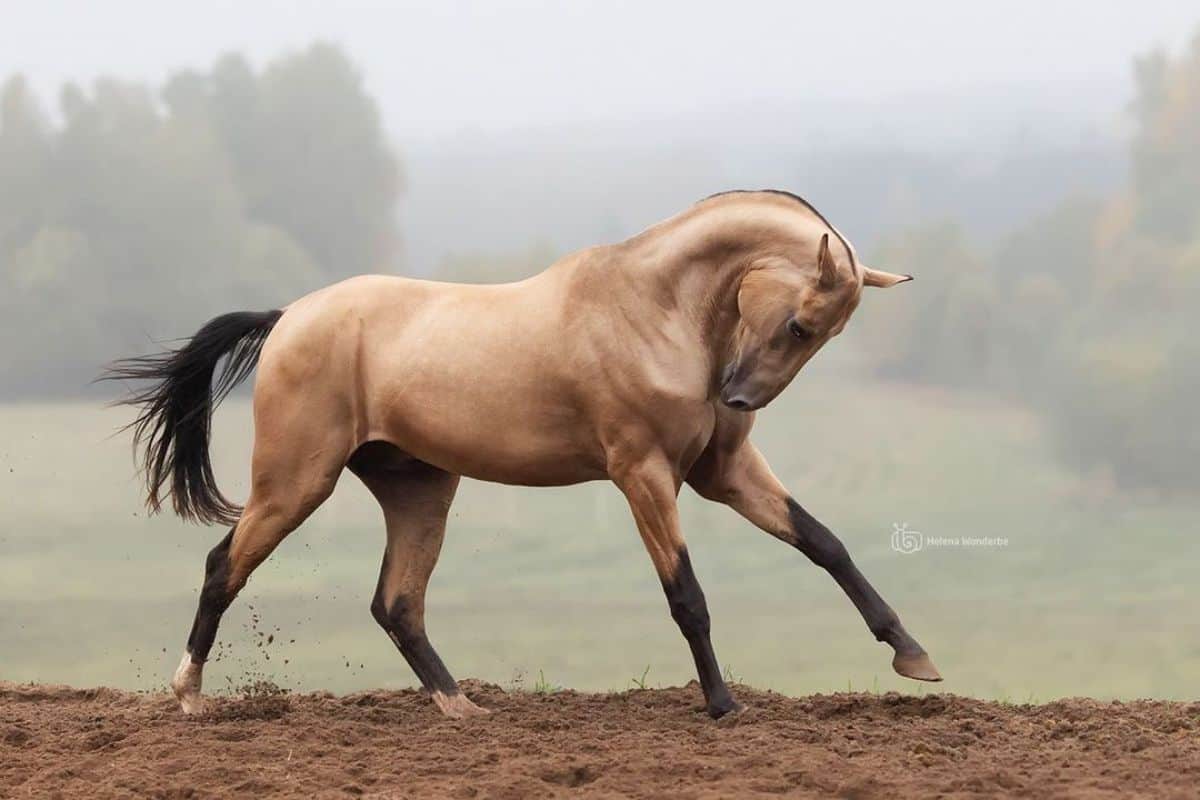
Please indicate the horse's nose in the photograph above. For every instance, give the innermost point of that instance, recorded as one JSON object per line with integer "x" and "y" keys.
{"x": 737, "y": 402}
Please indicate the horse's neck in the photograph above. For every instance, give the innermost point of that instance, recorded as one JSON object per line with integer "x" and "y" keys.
{"x": 694, "y": 266}
{"x": 711, "y": 243}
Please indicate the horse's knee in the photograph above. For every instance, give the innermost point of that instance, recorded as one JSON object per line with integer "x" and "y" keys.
{"x": 686, "y": 600}
{"x": 816, "y": 541}
{"x": 826, "y": 551}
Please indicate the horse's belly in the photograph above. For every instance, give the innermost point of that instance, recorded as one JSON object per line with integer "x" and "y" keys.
{"x": 521, "y": 469}
{"x": 489, "y": 437}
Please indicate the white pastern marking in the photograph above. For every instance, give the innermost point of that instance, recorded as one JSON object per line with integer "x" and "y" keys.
{"x": 186, "y": 683}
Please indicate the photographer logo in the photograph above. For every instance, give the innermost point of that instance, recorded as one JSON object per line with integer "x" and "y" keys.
{"x": 904, "y": 540}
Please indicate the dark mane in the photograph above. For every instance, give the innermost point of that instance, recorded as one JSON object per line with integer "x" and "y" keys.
{"x": 801, "y": 201}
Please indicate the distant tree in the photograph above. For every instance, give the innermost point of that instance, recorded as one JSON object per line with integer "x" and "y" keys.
{"x": 1166, "y": 160}
{"x": 142, "y": 214}
{"x": 25, "y": 149}
{"x": 941, "y": 331}
{"x": 312, "y": 157}
{"x": 1131, "y": 365}
{"x": 1087, "y": 312}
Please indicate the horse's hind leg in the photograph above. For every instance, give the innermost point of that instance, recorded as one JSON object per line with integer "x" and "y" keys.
{"x": 416, "y": 499}
{"x": 292, "y": 475}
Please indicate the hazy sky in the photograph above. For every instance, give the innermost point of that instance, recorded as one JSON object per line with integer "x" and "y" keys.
{"x": 445, "y": 67}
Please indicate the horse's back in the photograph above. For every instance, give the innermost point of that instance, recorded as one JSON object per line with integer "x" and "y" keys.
{"x": 473, "y": 379}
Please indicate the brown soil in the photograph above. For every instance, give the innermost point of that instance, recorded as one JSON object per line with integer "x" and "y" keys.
{"x": 57, "y": 741}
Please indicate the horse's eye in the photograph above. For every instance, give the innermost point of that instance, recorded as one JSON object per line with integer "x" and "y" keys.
{"x": 797, "y": 330}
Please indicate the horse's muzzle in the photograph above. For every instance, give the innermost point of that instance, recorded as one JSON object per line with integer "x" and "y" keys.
{"x": 736, "y": 396}
{"x": 734, "y": 392}
{"x": 738, "y": 402}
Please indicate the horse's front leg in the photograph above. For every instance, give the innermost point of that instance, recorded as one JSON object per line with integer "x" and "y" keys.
{"x": 651, "y": 486}
{"x": 742, "y": 480}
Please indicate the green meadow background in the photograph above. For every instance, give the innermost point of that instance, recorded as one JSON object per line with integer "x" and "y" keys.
{"x": 1093, "y": 595}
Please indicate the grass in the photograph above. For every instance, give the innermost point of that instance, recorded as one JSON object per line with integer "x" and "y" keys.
{"x": 1091, "y": 596}
{"x": 543, "y": 686}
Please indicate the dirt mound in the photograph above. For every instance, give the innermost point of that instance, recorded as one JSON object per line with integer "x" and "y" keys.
{"x": 63, "y": 742}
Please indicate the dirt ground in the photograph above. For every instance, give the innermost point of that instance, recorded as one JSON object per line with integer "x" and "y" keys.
{"x": 63, "y": 742}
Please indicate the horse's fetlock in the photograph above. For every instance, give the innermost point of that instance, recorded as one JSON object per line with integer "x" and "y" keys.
{"x": 889, "y": 630}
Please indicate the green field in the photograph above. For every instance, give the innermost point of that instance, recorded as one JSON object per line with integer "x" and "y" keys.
{"x": 1093, "y": 595}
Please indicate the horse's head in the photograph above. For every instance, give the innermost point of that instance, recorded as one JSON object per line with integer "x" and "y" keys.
{"x": 789, "y": 307}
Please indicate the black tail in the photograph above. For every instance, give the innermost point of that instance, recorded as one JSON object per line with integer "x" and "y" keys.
{"x": 176, "y": 410}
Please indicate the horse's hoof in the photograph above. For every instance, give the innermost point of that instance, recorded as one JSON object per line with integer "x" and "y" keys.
{"x": 457, "y": 706}
{"x": 191, "y": 704}
{"x": 730, "y": 717}
{"x": 186, "y": 685}
{"x": 917, "y": 666}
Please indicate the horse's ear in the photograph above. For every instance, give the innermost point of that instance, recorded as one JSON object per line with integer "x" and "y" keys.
{"x": 877, "y": 277}
{"x": 825, "y": 263}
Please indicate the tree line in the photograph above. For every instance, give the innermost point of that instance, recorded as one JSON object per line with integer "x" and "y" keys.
{"x": 1087, "y": 313}
{"x": 131, "y": 213}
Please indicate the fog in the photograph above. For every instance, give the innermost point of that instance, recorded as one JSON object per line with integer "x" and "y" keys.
{"x": 441, "y": 69}
{"x": 1033, "y": 164}
{"x": 486, "y": 102}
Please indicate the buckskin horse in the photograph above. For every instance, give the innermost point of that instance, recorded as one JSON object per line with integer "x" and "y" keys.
{"x": 641, "y": 362}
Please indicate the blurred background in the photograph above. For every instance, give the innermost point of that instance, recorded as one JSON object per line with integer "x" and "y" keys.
{"x": 1035, "y": 166}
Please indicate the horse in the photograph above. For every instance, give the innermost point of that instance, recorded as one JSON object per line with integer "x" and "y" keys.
{"x": 641, "y": 362}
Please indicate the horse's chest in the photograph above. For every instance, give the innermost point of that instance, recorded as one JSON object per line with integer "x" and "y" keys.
{"x": 678, "y": 427}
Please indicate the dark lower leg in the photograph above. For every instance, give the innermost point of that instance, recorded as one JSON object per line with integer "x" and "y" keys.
{"x": 214, "y": 599}
{"x": 826, "y": 551}
{"x": 407, "y": 632}
{"x": 690, "y": 612}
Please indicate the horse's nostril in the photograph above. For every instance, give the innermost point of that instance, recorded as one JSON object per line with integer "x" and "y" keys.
{"x": 737, "y": 404}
